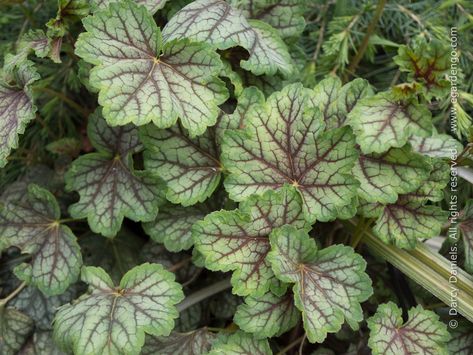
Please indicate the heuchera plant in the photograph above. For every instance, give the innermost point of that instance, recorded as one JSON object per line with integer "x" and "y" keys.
{"x": 235, "y": 177}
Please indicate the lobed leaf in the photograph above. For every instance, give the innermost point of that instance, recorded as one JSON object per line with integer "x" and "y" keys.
{"x": 329, "y": 284}
{"x": 113, "y": 319}
{"x": 109, "y": 187}
{"x": 284, "y": 143}
{"x": 436, "y": 146}
{"x": 422, "y": 333}
{"x": 240, "y": 343}
{"x": 14, "y": 330}
{"x": 382, "y": 121}
{"x": 238, "y": 240}
{"x": 163, "y": 82}
{"x": 191, "y": 343}
{"x": 219, "y": 24}
{"x": 267, "y": 316}
{"x": 16, "y": 105}
{"x": 151, "y": 5}
{"x": 32, "y": 224}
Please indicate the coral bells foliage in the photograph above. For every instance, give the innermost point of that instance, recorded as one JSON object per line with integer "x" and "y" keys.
{"x": 234, "y": 177}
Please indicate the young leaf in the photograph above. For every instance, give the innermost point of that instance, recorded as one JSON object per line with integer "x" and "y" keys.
{"x": 437, "y": 146}
{"x": 423, "y": 333}
{"x": 329, "y": 283}
{"x": 336, "y": 101}
{"x": 16, "y": 105}
{"x": 383, "y": 176}
{"x": 113, "y": 319}
{"x": 33, "y": 225}
{"x": 382, "y": 121}
{"x": 240, "y": 343}
{"x": 162, "y": 82}
{"x": 427, "y": 63}
{"x": 283, "y": 143}
{"x": 218, "y": 23}
{"x": 151, "y": 5}
{"x": 109, "y": 187}
{"x": 238, "y": 240}
{"x": 14, "y": 330}
{"x": 284, "y": 15}
{"x": 190, "y": 166}
{"x": 267, "y": 316}
{"x": 191, "y": 343}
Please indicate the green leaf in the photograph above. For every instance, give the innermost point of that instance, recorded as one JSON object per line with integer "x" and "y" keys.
{"x": 33, "y": 225}
{"x": 336, "y": 101}
{"x": 284, "y": 143}
{"x": 109, "y": 187}
{"x": 190, "y": 166}
{"x": 461, "y": 342}
{"x": 408, "y": 219}
{"x": 14, "y": 330}
{"x": 267, "y": 316}
{"x": 173, "y": 225}
{"x": 41, "y": 344}
{"x": 151, "y": 5}
{"x": 382, "y": 121}
{"x": 329, "y": 283}
{"x": 163, "y": 82}
{"x": 16, "y": 105}
{"x": 422, "y": 333}
{"x": 39, "y": 307}
{"x": 437, "y": 146}
{"x": 284, "y": 15}
{"x": 238, "y": 240}
{"x": 240, "y": 343}
{"x": 218, "y": 23}
{"x": 192, "y": 343}
{"x": 113, "y": 319}
{"x": 383, "y": 176}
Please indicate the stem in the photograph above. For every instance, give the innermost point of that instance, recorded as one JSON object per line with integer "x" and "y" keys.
{"x": 65, "y": 99}
{"x": 12, "y": 295}
{"x": 204, "y": 293}
{"x": 369, "y": 31}
{"x": 291, "y": 345}
{"x": 180, "y": 264}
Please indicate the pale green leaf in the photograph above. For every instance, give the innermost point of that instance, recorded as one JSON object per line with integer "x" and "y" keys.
{"x": 284, "y": 15}
{"x": 384, "y": 176}
{"x": 152, "y": 5}
{"x": 163, "y": 82}
{"x": 109, "y": 187}
{"x": 382, "y": 121}
{"x": 14, "y": 330}
{"x": 336, "y": 101}
{"x": 113, "y": 319}
{"x": 421, "y": 334}
{"x": 267, "y": 316}
{"x": 329, "y": 283}
{"x": 41, "y": 344}
{"x": 238, "y": 240}
{"x": 437, "y": 146}
{"x": 32, "y": 224}
{"x": 221, "y": 25}
{"x": 196, "y": 342}
{"x": 240, "y": 343}
{"x": 461, "y": 342}
{"x": 16, "y": 106}
{"x": 283, "y": 143}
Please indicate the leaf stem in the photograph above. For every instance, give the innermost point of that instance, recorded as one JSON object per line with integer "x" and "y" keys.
{"x": 204, "y": 293}
{"x": 59, "y": 95}
{"x": 291, "y": 345}
{"x": 369, "y": 32}
{"x": 12, "y": 295}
